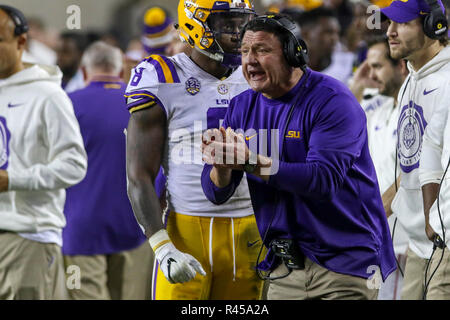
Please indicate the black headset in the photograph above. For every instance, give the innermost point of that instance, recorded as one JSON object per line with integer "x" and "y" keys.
{"x": 18, "y": 18}
{"x": 435, "y": 23}
{"x": 294, "y": 49}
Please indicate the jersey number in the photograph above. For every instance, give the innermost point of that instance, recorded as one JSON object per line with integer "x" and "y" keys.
{"x": 137, "y": 76}
{"x": 215, "y": 116}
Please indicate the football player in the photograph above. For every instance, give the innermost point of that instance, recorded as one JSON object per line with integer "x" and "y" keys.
{"x": 202, "y": 251}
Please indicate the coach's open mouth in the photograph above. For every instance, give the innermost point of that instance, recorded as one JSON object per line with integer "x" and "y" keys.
{"x": 256, "y": 75}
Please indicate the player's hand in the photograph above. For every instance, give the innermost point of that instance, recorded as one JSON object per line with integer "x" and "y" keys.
{"x": 178, "y": 267}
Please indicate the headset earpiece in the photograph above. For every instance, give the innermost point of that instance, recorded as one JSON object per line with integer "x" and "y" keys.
{"x": 21, "y": 25}
{"x": 435, "y": 23}
{"x": 296, "y": 53}
{"x": 294, "y": 48}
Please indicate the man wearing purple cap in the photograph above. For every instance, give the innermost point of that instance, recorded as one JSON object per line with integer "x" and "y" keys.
{"x": 418, "y": 33}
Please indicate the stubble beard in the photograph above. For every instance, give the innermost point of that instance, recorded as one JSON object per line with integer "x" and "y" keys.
{"x": 401, "y": 53}
{"x": 391, "y": 86}
{"x": 407, "y": 49}
{"x": 6, "y": 69}
{"x": 388, "y": 88}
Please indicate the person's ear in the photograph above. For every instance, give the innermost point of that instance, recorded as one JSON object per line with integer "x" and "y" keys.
{"x": 85, "y": 74}
{"x": 22, "y": 41}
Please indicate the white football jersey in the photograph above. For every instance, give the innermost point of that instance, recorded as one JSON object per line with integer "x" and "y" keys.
{"x": 193, "y": 101}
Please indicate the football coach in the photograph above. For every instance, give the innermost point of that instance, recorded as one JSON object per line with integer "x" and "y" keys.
{"x": 316, "y": 199}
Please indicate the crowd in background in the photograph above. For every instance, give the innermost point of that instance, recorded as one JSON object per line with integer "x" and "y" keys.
{"x": 336, "y": 46}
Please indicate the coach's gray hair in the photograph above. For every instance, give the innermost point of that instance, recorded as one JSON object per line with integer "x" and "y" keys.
{"x": 103, "y": 57}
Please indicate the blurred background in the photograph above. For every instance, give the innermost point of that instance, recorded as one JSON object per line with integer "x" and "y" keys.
{"x": 336, "y": 48}
{"x": 120, "y": 17}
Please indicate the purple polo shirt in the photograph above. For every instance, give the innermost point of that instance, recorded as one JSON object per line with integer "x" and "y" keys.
{"x": 99, "y": 215}
{"x": 325, "y": 194}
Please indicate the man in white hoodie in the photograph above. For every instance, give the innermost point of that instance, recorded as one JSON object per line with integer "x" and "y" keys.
{"x": 434, "y": 178}
{"x": 435, "y": 181}
{"x": 417, "y": 32}
{"x": 387, "y": 75}
{"x": 41, "y": 154}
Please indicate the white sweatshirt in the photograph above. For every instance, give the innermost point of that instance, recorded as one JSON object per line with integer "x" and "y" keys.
{"x": 41, "y": 148}
{"x": 421, "y": 96}
{"x": 436, "y": 157}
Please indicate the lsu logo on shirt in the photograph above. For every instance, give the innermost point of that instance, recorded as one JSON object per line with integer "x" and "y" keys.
{"x": 410, "y": 129}
{"x": 293, "y": 134}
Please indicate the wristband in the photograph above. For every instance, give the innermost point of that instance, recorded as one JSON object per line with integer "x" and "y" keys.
{"x": 159, "y": 239}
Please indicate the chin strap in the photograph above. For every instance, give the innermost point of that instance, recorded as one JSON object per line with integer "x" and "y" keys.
{"x": 215, "y": 56}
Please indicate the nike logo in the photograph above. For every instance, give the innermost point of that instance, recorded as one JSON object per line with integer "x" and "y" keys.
{"x": 169, "y": 262}
{"x": 425, "y": 92}
{"x": 248, "y": 138}
{"x": 10, "y": 105}
{"x": 251, "y": 244}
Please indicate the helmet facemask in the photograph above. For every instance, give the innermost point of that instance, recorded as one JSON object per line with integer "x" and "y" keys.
{"x": 224, "y": 29}
{"x": 203, "y": 25}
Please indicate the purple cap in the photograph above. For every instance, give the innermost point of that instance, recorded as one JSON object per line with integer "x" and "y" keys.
{"x": 402, "y": 11}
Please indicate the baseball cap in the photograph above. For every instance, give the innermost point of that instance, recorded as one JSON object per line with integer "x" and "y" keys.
{"x": 402, "y": 11}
